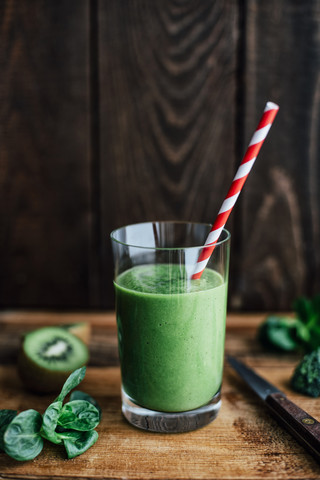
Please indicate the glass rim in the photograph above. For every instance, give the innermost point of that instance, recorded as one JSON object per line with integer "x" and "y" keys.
{"x": 220, "y": 242}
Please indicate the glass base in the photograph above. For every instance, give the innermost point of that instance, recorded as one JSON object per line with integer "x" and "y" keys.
{"x": 165, "y": 422}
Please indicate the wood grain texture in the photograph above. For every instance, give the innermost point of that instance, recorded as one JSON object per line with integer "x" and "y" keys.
{"x": 244, "y": 442}
{"x": 44, "y": 156}
{"x": 280, "y": 217}
{"x": 167, "y": 88}
{"x": 115, "y": 112}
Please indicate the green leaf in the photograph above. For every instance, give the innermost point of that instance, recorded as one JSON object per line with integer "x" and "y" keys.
{"x": 50, "y": 422}
{"x": 22, "y": 439}
{"x": 79, "y": 415}
{"x": 302, "y": 333}
{"x": 71, "y": 424}
{"x": 282, "y": 339}
{"x": 294, "y": 334}
{"x": 314, "y": 341}
{"x": 72, "y": 381}
{"x": 6, "y": 416}
{"x": 78, "y": 442}
{"x": 279, "y": 333}
{"x": 315, "y": 302}
{"x": 308, "y": 312}
{"x": 79, "y": 395}
{"x": 303, "y": 308}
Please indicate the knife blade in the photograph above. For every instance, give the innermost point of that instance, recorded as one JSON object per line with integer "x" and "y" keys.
{"x": 302, "y": 426}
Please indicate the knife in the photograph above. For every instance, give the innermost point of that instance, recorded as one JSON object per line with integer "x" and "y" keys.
{"x": 299, "y": 423}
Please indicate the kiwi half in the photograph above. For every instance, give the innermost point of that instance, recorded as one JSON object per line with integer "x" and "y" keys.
{"x": 47, "y": 357}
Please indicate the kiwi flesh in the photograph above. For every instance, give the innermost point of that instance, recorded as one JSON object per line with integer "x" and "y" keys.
{"x": 47, "y": 357}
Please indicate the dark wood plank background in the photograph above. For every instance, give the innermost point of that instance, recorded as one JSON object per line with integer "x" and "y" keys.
{"x": 113, "y": 112}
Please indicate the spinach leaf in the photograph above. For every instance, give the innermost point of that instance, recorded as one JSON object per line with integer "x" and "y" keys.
{"x": 77, "y": 443}
{"x": 303, "y": 308}
{"x": 21, "y": 436}
{"x": 79, "y": 415}
{"x": 279, "y": 333}
{"x": 314, "y": 341}
{"x": 50, "y": 422}
{"x": 301, "y": 333}
{"x": 6, "y": 416}
{"x": 72, "y": 381}
{"x": 22, "y": 439}
{"x": 79, "y": 395}
{"x": 308, "y": 312}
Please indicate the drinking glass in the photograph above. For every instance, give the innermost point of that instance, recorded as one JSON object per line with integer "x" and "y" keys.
{"x": 171, "y": 328}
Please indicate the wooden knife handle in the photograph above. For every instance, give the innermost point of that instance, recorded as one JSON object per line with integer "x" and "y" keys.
{"x": 300, "y": 424}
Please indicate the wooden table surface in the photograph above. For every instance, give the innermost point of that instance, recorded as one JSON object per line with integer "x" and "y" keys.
{"x": 244, "y": 442}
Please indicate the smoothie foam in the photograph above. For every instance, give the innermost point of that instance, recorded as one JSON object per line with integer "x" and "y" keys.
{"x": 171, "y": 336}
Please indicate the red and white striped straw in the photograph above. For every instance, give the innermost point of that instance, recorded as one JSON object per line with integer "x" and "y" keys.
{"x": 259, "y": 136}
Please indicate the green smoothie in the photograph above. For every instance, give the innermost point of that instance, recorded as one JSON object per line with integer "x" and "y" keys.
{"x": 171, "y": 336}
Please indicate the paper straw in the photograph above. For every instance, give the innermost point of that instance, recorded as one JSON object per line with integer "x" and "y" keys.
{"x": 259, "y": 136}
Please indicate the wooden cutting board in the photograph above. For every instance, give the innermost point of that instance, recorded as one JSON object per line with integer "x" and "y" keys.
{"x": 244, "y": 442}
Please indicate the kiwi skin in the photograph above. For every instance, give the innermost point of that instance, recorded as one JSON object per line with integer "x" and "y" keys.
{"x": 39, "y": 379}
